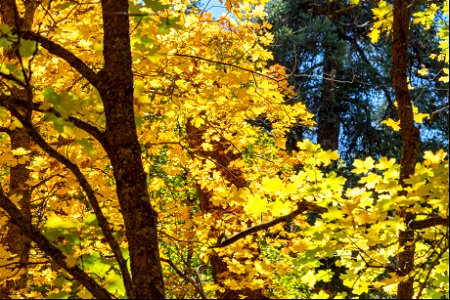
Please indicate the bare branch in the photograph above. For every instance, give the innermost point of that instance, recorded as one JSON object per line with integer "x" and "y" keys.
{"x": 185, "y": 277}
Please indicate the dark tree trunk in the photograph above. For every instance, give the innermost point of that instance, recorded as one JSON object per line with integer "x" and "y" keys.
{"x": 116, "y": 89}
{"x": 14, "y": 239}
{"x": 410, "y": 136}
{"x": 329, "y": 106}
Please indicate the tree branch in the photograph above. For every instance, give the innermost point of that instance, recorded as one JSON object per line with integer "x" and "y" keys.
{"x": 301, "y": 208}
{"x": 102, "y": 221}
{"x": 83, "y": 125}
{"x": 431, "y": 222}
{"x": 63, "y": 53}
{"x": 12, "y": 78}
{"x": 36, "y": 236}
{"x": 185, "y": 277}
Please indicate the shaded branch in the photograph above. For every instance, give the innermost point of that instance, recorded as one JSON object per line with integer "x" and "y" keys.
{"x": 12, "y": 78}
{"x": 431, "y": 222}
{"x": 302, "y": 207}
{"x": 431, "y": 268}
{"x": 185, "y": 277}
{"x": 436, "y": 112}
{"x": 5, "y": 130}
{"x": 63, "y": 53}
{"x": 44, "y": 244}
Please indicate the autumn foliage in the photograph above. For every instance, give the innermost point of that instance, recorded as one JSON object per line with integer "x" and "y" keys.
{"x": 147, "y": 175}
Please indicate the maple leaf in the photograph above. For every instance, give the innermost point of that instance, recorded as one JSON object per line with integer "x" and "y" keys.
{"x": 256, "y": 205}
{"x": 363, "y": 166}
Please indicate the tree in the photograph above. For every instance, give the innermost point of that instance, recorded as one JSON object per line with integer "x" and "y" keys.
{"x": 12, "y": 238}
{"x": 153, "y": 178}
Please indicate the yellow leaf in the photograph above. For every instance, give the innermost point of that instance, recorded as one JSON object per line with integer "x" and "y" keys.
{"x": 198, "y": 122}
{"x": 374, "y": 35}
{"x": 434, "y": 158}
{"x": 20, "y": 151}
{"x": 391, "y": 123}
{"x": 280, "y": 208}
{"x": 363, "y": 166}
{"x": 309, "y": 278}
{"x": 256, "y": 205}
{"x": 418, "y": 117}
{"x": 321, "y": 295}
{"x": 385, "y": 163}
{"x": 423, "y": 71}
{"x": 271, "y": 185}
{"x": 307, "y": 146}
{"x": 84, "y": 294}
{"x": 207, "y": 147}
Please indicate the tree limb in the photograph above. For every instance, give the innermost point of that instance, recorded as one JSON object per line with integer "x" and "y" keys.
{"x": 51, "y": 250}
{"x": 185, "y": 277}
{"x": 302, "y": 207}
{"x": 63, "y": 53}
{"x": 102, "y": 221}
{"x": 83, "y": 125}
{"x": 431, "y": 222}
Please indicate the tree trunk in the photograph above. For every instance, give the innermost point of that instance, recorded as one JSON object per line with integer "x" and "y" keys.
{"x": 329, "y": 106}
{"x": 13, "y": 238}
{"x": 410, "y": 136}
{"x": 116, "y": 89}
{"x": 222, "y": 159}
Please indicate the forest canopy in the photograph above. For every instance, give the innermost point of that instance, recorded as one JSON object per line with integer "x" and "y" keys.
{"x": 282, "y": 149}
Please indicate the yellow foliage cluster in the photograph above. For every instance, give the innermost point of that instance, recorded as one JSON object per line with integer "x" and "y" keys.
{"x": 214, "y": 74}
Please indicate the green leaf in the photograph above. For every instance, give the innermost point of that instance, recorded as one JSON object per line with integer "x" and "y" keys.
{"x": 59, "y": 295}
{"x": 6, "y": 44}
{"x": 88, "y": 148}
{"x": 58, "y": 123}
{"x": 51, "y": 96}
{"x": 167, "y": 24}
{"x": 97, "y": 264}
{"x": 27, "y": 48}
{"x": 155, "y": 5}
{"x": 91, "y": 219}
{"x": 5, "y": 29}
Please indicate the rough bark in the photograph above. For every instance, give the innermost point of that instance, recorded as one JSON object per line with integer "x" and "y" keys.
{"x": 116, "y": 89}
{"x": 13, "y": 238}
{"x": 222, "y": 159}
{"x": 410, "y": 137}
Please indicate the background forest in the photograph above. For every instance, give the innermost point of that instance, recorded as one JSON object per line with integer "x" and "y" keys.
{"x": 282, "y": 149}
